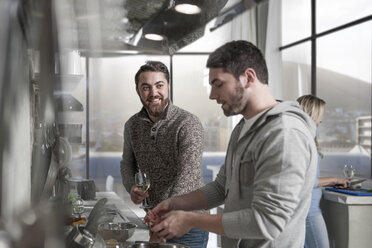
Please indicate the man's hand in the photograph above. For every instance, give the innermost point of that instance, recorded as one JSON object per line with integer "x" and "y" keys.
{"x": 137, "y": 195}
{"x": 153, "y": 215}
{"x": 152, "y": 219}
{"x": 160, "y": 209}
{"x": 173, "y": 225}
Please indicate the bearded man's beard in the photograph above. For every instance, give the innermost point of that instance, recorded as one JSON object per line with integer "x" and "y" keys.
{"x": 235, "y": 106}
{"x": 157, "y": 110}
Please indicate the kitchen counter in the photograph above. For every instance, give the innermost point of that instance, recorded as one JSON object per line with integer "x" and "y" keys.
{"x": 346, "y": 199}
{"x": 348, "y": 218}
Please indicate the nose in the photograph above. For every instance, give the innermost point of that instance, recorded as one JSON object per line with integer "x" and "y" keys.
{"x": 212, "y": 95}
{"x": 153, "y": 91}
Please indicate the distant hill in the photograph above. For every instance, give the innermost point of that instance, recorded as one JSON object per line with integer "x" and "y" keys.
{"x": 338, "y": 90}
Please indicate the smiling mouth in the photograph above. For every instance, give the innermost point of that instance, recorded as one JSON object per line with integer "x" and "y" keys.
{"x": 154, "y": 101}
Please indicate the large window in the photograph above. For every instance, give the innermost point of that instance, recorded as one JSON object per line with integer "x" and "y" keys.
{"x": 191, "y": 80}
{"x": 296, "y": 18}
{"x": 296, "y": 71}
{"x": 113, "y": 98}
{"x": 333, "y": 13}
{"x": 112, "y": 101}
{"x": 334, "y": 63}
{"x": 191, "y": 91}
{"x": 344, "y": 81}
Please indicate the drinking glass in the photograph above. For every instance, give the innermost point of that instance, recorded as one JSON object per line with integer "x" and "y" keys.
{"x": 142, "y": 182}
{"x": 78, "y": 206}
{"x": 349, "y": 171}
{"x": 77, "y": 202}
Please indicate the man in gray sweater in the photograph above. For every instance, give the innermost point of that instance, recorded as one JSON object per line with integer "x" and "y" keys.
{"x": 270, "y": 164}
{"x": 165, "y": 142}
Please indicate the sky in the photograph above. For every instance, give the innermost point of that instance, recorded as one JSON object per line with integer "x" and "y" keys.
{"x": 347, "y": 51}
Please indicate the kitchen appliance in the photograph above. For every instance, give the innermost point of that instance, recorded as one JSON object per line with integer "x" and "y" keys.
{"x": 118, "y": 231}
{"x": 86, "y": 188}
{"x": 86, "y": 236}
{"x": 142, "y": 244}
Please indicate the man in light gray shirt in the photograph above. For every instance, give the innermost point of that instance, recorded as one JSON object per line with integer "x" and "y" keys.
{"x": 270, "y": 165}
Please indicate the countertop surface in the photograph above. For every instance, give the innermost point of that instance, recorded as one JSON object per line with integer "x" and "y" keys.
{"x": 349, "y": 199}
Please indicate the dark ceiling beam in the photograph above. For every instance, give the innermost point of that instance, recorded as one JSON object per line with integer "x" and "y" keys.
{"x": 232, "y": 12}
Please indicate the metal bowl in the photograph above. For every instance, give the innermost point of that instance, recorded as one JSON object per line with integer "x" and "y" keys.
{"x": 118, "y": 231}
{"x": 156, "y": 245}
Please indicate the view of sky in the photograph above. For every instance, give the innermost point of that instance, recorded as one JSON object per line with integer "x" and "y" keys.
{"x": 353, "y": 43}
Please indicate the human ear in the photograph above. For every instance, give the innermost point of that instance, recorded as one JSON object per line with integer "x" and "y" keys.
{"x": 250, "y": 74}
{"x": 169, "y": 86}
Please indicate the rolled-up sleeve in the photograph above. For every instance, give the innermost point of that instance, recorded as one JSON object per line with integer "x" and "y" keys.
{"x": 215, "y": 191}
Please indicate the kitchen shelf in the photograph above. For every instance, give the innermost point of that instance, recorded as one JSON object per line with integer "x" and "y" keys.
{"x": 64, "y": 82}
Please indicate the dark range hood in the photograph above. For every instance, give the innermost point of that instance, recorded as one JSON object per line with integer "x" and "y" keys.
{"x": 177, "y": 29}
{"x": 119, "y": 25}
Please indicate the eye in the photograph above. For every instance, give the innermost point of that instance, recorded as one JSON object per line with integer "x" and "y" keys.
{"x": 218, "y": 84}
{"x": 145, "y": 88}
{"x": 159, "y": 86}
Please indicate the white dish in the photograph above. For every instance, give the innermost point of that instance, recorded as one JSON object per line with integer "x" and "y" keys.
{"x": 356, "y": 181}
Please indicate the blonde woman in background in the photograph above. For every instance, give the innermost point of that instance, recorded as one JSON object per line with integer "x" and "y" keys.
{"x": 316, "y": 230}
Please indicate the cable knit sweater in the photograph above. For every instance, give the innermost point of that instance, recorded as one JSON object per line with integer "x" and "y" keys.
{"x": 168, "y": 151}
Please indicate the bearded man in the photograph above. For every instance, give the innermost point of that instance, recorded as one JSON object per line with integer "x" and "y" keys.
{"x": 165, "y": 142}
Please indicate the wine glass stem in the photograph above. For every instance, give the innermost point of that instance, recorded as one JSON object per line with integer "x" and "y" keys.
{"x": 144, "y": 203}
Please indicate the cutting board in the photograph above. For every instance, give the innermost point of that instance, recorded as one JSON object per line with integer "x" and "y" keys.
{"x": 358, "y": 192}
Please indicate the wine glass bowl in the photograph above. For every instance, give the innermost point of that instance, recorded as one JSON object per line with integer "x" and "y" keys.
{"x": 349, "y": 171}
{"x": 142, "y": 182}
{"x": 78, "y": 206}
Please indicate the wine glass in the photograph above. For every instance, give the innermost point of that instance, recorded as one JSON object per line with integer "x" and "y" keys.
{"x": 142, "y": 182}
{"x": 77, "y": 202}
{"x": 78, "y": 206}
{"x": 349, "y": 171}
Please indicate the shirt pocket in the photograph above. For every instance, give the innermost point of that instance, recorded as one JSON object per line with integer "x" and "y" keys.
{"x": 246, "y": 172}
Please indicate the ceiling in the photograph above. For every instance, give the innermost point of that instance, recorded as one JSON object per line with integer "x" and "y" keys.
{"x": 118, "y": 26}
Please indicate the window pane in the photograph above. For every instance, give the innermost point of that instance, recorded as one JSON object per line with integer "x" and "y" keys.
{"x": 342, "y": 12}
{"x": 296, "y": 71}
{"x": 347, "y": 51}
{"x": 72, "y": 123}
{"x": 344, "y": 82}
{"x": 112, "y": 101}
{"x": 191, "y": 92}
{"x": 296, "y": 20}
{"x": 113, "y": 98}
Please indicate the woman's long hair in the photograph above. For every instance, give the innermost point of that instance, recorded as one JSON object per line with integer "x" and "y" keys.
{"x": 314, "y": 107}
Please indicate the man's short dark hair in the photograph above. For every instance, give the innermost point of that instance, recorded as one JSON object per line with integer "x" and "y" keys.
{"x": 236, "y": 56}
{"x": 152, "y": 66}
